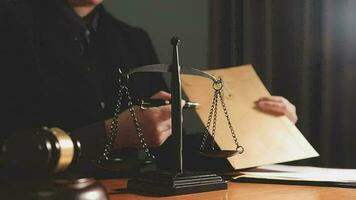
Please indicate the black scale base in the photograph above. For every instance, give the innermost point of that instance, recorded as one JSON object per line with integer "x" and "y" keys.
{"x": 162, "y": 183}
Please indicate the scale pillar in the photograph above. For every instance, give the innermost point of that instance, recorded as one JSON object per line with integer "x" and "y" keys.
{"x": 176, "y": 182}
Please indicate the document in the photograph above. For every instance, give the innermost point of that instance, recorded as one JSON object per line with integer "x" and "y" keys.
{"x": 267, "y": 139}
{"x": 303, "y": 175}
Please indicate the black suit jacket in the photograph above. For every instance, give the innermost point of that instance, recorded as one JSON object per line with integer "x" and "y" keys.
{"x": 40, "y": 58}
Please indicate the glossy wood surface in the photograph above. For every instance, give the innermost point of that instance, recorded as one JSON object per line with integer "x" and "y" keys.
{"x": 243, "y": 191}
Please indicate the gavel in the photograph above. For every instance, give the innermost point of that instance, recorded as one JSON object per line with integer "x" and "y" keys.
{"x": 29, "y": 160}
{"x": 39, "y": 151}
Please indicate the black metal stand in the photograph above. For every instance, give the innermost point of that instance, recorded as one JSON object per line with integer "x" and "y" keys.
{"x": 176, "y": 182}
{"x": 162, "y": 183}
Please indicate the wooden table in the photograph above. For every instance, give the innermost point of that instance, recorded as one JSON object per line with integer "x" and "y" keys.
{"x": 243, "y": 191}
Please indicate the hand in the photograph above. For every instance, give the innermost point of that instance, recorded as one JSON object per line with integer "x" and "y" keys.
{"x": 278, "y": 105}
{"x": 155, "y": 123}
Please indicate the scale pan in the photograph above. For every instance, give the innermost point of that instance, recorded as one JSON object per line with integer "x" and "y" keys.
{"x": 219, "y": 153}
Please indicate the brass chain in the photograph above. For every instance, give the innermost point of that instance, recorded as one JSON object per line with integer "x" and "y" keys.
{"x": 207, "y": 126}
{"x": 214, "y": 123}
{"x": 114, "y": 126}
{"x": 239, "y": 148}
{"x": 217, "y": 86}
{"x": 113, "y": 131}
{"x": 138, "y": 127}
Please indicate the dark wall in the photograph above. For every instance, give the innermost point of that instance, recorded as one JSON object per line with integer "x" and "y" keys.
{"x": 163, "y": 19}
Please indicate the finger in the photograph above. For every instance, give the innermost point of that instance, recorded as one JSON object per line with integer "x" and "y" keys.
{"x": 157, "y": 133}
{"x": 155, "y": 142}
{"x": 164, "y": 112}
{"x": 155, "y": 128}
{"x": 162, "y": 95}
{"x": 278, "y": 108}
{"x": 166, "y": 96}
{"x": 166, "y": 134}
{"x": 160, "y": 113}
{"x": 273, "y": 98}
{"x": 165, "y": 126}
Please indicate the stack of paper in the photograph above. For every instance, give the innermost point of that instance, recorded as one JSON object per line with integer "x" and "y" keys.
{"x": 303, "y": 173}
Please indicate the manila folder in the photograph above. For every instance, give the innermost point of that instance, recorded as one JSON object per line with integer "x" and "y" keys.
{"x": 267, "y": 139}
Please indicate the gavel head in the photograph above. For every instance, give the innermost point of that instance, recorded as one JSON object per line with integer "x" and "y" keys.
{"x": 40, "y": 151}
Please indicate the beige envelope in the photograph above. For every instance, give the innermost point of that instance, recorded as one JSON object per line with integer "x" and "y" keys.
{"x": 267, "y": 139}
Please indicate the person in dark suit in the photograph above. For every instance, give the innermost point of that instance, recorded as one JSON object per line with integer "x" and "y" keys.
{"x": 60, "y": 62}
